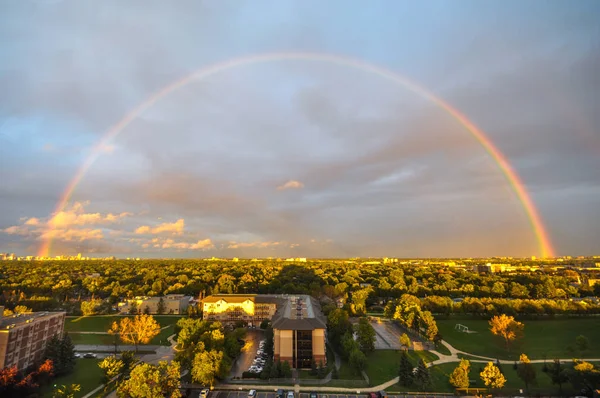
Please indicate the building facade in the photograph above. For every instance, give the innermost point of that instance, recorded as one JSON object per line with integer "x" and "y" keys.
{"x": 173, "y": 304}
{"x": 298, "y": 324}
{"x": 23, "y": 337}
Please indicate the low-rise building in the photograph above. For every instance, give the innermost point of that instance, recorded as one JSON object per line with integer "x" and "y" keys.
{"x": 249, "y": 308}
{"x": 172, "y": 304}
{"x": 23, "y": 337}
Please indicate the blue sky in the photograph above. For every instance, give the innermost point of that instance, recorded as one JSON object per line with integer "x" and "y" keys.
{"x": 375, "y": 169}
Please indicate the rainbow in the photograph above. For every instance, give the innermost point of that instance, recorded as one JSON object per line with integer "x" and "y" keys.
{"x": 545, "y": 246}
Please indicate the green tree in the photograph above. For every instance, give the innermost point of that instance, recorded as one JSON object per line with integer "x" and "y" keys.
{"x": 338, "y": 324}
{"x": 422, "y": 376}
{"x": 21, "y": 309}
{"x": 365, "y": 336}
{"x": 405, "y": 341}
{"x": 582, "y": 343}
{"x": 111, "y": 367}
{"x": 286, "y": 369}
{"x": 90, "y": 307}
{"x": 358, "y": 361}
{"x": 62, "y": 354}
{"x": 558, "y": 374}
{"x": 133, "y": 308}
{"x": 526, "y": 371}
{"x": 459, "y": 377}
{"x": 161, "y": 306}
{"x": 429, "y": 324}
{"x": 405, "y": 372}
{"x": 207, "y": 367}
{"x": 147, "y": 310}
{"x": 148, "y": 380}
{"x": 492, "y": 377}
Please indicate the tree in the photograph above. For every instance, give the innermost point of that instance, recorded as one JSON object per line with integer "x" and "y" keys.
{"x": 358, "y": 360}
{"x": 422, "y": 376}
{"x": 428, "y": 323}
{"x": 62, "y": 354}
{"x": 111, "y": 367}
{"x": 133, "y": 308}
{"x": 582, "y": 343}
{"x": 138, "y": 330}
{"x": 161, "y": 306}
{"x": 526, "y": 371}
{"x": 557, "y": 374}
{"x": 207, "y": 367}
{"x": 147, "y": 310}
{"x": 115, "y": 330}
{"x": 148, "y": 380}
{"x": 286, "y": 369}
{"x": 335, "y": 374}
{"x": 66, "y": 391}
{"x": 365, "y": 336}
{"x": 492, "y": 377}
{"x": 405, "y": 341}
{"x": 90, "y": 307}
{"x": 405, "y": 372}
{"x": 507, "y": 328}
{"x": 459, "y": 377}
{"x": 338, "y": 324}
{"x": 21, "y": 309}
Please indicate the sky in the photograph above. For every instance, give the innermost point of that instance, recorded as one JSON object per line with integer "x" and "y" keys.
{"x": 298, "y": 157}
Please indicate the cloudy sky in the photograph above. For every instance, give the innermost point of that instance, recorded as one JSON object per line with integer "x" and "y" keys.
{"x": 298, "y": 157}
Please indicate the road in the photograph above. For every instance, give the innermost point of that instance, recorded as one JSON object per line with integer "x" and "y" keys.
{"x": 262, "y": 394}
{"x": 253, "y": 337}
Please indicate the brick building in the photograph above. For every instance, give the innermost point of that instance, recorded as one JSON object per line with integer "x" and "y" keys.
{"x": 23, "y": 337}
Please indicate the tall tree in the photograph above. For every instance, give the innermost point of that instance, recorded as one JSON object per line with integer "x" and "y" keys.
{"x": 138, "y": 330}
{"x": 459, "y": 377}
{"x": 422, "y": 376}
{"x": 582, "y": 343}
{"x": 358, "y": 361}
{"x": 405, "y": 372}
{"x": 111, "y": 367}
{"x": 507, "y": 328}
{"x": 526, "y": 371}
{"x": 66, "y": 391}
{"x": 161, "y": 306}
{"x": 492, "y": 377}
{"x": 62, "y": 354}
{"x": 148, "y": 380}
{"x": 558, "y": 374}
{"x": 365, "y": 336}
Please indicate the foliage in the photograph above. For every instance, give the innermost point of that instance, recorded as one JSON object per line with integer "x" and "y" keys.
{"x": 111, "y": 367}
{"x": 16, "y": 384}
{"x": 90, "y": 307}
{"x": 365, "y": 336}
{"x": 507, "y": 328}
{"x": 582, "y": 343}
{"x": 161, "y": 307}
{"x": 148, "y": 380}
{"x": 558, "y": 374}
{"x": 526, "y": 371}
{"x": 66, "y": 391}
{"x": 405, "y": 341}
{"x": 422, "y": 376}
{"x": 405, "y": 372}
{"x": 358, "y": 360}
{"x": 459, "y": 377}
{"x": 21, "y": 309}
{"x": 137, "y": 330}
{"x": 338, "y": 325}
{"x": 286, "y": 370}
{"x": 62, "y": 354}
{"x": 492, "y": 377}
{"x": 208, "y": 366}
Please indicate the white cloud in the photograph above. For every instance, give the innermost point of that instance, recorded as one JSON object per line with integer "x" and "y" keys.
{"x": 291, "y": 184}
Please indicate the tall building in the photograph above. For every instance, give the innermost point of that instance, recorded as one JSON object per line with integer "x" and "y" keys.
{"x": 23, "y": 337}
{"x": 298, "y": 324}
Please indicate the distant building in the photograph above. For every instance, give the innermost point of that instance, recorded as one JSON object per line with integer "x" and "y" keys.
{"x": 23, "y": 337}
{"x": 173, "y": 304}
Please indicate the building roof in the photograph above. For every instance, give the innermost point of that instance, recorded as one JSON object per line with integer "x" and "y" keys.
{"x": 19, "y": 319}
{"x": 299, "y": 312}
{"x": 230, "y": 298}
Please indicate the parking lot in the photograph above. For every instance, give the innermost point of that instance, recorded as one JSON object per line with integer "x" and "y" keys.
{"x": 248, "y": 353}
{"x": 262, "y": 394}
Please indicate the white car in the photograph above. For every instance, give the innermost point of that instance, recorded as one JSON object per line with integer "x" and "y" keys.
{"x": 252, "y": 394}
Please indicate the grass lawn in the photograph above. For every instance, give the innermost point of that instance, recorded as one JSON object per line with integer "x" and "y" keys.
{"x": 102, "y": 323}
{"x": 86, "y": 373}
{"x": 382, "y": 365}
{"x": 305, "y": 374}
{"x": 543, "y": 338}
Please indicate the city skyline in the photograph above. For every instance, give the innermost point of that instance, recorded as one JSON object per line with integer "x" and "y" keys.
{"x": 105, "y": 152}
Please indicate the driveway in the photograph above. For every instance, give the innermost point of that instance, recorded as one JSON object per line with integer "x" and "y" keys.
{"x": 245, "y": 359}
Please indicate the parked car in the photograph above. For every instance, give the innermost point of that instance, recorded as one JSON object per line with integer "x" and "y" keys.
{"x": 252, "y": 394}
{"x": 290, "y": 394}
{"x": 314, "y": 395}
{"x": 204, "y": 392}
{"x": 372, "y": 395}
{"x": 90, "y": 355}
{"x": 77, "y": 355}
{"x": 280, "y": 394}
{"x": 382, "y": 394}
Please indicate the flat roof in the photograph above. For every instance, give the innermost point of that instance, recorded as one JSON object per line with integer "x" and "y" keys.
{"x": 19, "y": 319}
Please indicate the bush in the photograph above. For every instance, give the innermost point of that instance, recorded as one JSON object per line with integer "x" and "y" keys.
{"x": 250, "y": 375}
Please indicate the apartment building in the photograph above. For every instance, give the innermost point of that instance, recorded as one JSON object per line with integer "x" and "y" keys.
{"x": 23, "y": 337}
{"x": 298, "y": 324}
{"x": 172, "y": 304}
{"x": 231, "y": 308}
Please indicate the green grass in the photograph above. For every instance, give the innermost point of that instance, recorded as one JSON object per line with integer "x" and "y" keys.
{"x": 442, "y": 349}
{"x": 382, "y": 365}
{"x": 305, "y": 374}
{"x": 86, "y": 373}
{"x": 547, "y": 338}
{"x": 102, "y": 323}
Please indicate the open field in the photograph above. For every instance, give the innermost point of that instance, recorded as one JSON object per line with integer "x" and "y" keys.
{"x": 548, "y": 338}
{"x": 383, "y": 364}
{"x": 86, "y": 373}
{"x": 102, "y": 323}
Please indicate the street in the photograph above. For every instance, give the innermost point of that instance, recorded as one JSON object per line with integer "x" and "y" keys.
{"x": 262, "y": 394}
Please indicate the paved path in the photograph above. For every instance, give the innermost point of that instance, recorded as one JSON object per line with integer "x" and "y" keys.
{"x": 111, "y": 348}
{"x": 81, "y": 332}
